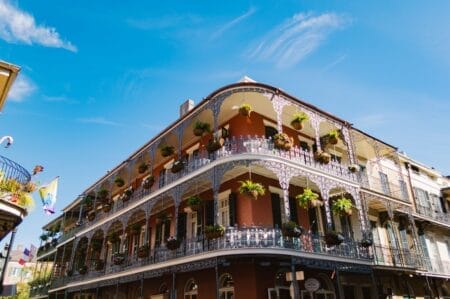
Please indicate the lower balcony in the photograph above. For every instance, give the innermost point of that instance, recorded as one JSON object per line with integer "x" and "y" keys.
{"x": 395, "y": 257}
{"x": 234, "y": 239}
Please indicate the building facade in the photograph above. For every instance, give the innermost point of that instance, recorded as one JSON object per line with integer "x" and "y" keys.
{"x": 235, "y": 199}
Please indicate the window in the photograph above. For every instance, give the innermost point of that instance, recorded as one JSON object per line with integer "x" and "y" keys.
{"x": 192, "y": 225}
{"x": 191, "y": 289}
{"x": 224, "y": 209}
{"x": 403, "y": 189}
{"x": 226, "y": 290}
{"x": 162, "y": 178}
{"x": 385, "y": 183}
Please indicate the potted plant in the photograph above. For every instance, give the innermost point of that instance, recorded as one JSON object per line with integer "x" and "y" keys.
{"x": 82, "y": 269}
{"x": 106, "y": 207}
{"x": 143, "y": 167}
{"x": 333, "y": 238}
{"x": 251, "y": 189}
{"x": 366, "y": 242}
{"x": 177, "y": 166}
{"x": 283, "y": 141}
{"x": 54, "y": 242}
{"x": 44, "y": 237}
{"x": 298, "y": 119}
{"x": 342, "y": 206}
{"x": 135, "y": 228}
{"x": 88, "y": 201}
{"x": 167, "y": 150}
{"x": 333, "y": 136}
{"x": 118, "y": 258}
{"x": 102, "y": 195}
{"x": 126, "y": 196}
{"x": 148, "y": 182}
{"x": 172, "y": 243}
{"x": 194, "y": 202}
{"x": 291, "y": 229}
{"x": 214, "y": 144}
{"x": 143, "y": 251}
{"x": 353, "y": 168}
{"x": 214, "y": 231}
{"x": 120, "y": 182}
{"x": 322, "y": 157}
{"x": 99, "y": 264}
{"x": 201, "y": 128}
{"x": 245, "y": 109}
{"x": 30, "y": 187}
{"x": 308, "y": 198}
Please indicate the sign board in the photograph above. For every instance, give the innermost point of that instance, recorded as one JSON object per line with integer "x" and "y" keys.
{"x": 312, "y": 284}
{"x": 299, "y": 275}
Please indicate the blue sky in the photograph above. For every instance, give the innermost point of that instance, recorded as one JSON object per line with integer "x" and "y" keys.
{"x": 100, "y": 78}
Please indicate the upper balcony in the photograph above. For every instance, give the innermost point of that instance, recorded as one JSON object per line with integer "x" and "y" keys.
{"x": 15, "y": 186}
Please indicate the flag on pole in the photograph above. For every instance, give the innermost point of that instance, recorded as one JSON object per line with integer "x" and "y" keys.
{"x": 22, "y": 262}
{"x": 48, "y": 196}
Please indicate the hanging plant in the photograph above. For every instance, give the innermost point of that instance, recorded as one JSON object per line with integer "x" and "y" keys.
{"x": 333, "y": 238}
{"x": 143, "y": 251}
{"x": 298, "y": 119}
{"x": 291, "y": 229}
{"x": 167, "y": 150}
{"x": 353, "y": 168}
{"x": 201, "y": 128}
{"x": 342, "y": 206}
{"x": 194, "y": 202}
{"x": 322, "y": 157}
{"x": 172, "y": 243}
{"x": 333, "y": 136}
{"x": 214, "y": 231}
{"x": 120, "y": 182}
{"x": 177, "y": 166}
{"x": 283, "y": 141}
{"x": 88, "y": 201}
{"x": 214, "y": 144}
{"x": 30, "y": 187}
{"x": 366, "y": 242}
{"x": 102, "y": 195}
{"x": 127, "y": 194}
{"x": 245, "y": 109}
{"x": 143, "y": 167}
{"x": 148, "y": 182}
{"x": 54, "y": 242}
{"x": 308, "y": 198}
{"x": 44, "y": 237}
{"x": 251, "y": 189}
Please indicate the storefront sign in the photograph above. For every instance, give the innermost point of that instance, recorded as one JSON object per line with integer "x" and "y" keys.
{"x": 312, "y": 284}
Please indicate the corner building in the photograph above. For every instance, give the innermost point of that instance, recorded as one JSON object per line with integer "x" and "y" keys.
{"x": 138, "y": 233}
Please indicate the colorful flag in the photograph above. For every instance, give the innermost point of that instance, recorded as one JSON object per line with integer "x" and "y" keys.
{"x": 22, "y": 262}
{"x": 26, "y": 252}
{"x": 48, "y": 196}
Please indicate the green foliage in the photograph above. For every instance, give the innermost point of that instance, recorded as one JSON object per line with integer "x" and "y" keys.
{"x": 166, "y": 150}
{"x": 246, "y": 107}
{"x": 202, "y": 126}
{"x": 299, "y": 117}
{"x": 306, "y": 197}
{"x": 333, "y": 134}
{"x": 342, "y": 206}
{"x": 250, "y": 188}
{"x": 119, "y": 181}
{"x": 194, "y": 201}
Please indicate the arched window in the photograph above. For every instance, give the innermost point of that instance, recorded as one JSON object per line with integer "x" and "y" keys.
{"x": 226, "y": 289}
{"x": 191, "y": 289}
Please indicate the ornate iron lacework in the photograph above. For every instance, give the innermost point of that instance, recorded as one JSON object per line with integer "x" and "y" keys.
{"x": 331, "y": 265}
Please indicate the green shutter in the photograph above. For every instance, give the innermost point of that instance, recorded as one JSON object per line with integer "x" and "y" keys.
{"x": 232, "y": 205}
{"x": 276, "y": 210}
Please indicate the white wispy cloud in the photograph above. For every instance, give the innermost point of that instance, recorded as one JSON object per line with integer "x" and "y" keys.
{"x": 232, "y": 23}
{"x": 17, "y": 26}
{"x": 335, "y": 62}
{"x": 21, "y": 89}
{"x": 298, "y": 36}
{"x": 99, "y": 121}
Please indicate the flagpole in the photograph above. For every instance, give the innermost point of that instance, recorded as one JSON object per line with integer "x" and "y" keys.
{"x": 11, "y": 242}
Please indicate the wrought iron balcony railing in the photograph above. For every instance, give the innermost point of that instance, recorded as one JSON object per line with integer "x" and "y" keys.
{"x": 437, "y": 266}
{"x": 430, "y": 213}
{"x": 234, "y": 146}
{"x": 389, "y": 188}
{"x": 396, "y": 257}
{"x": 233, "y": 239}
{"x": 11, "y": 170}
